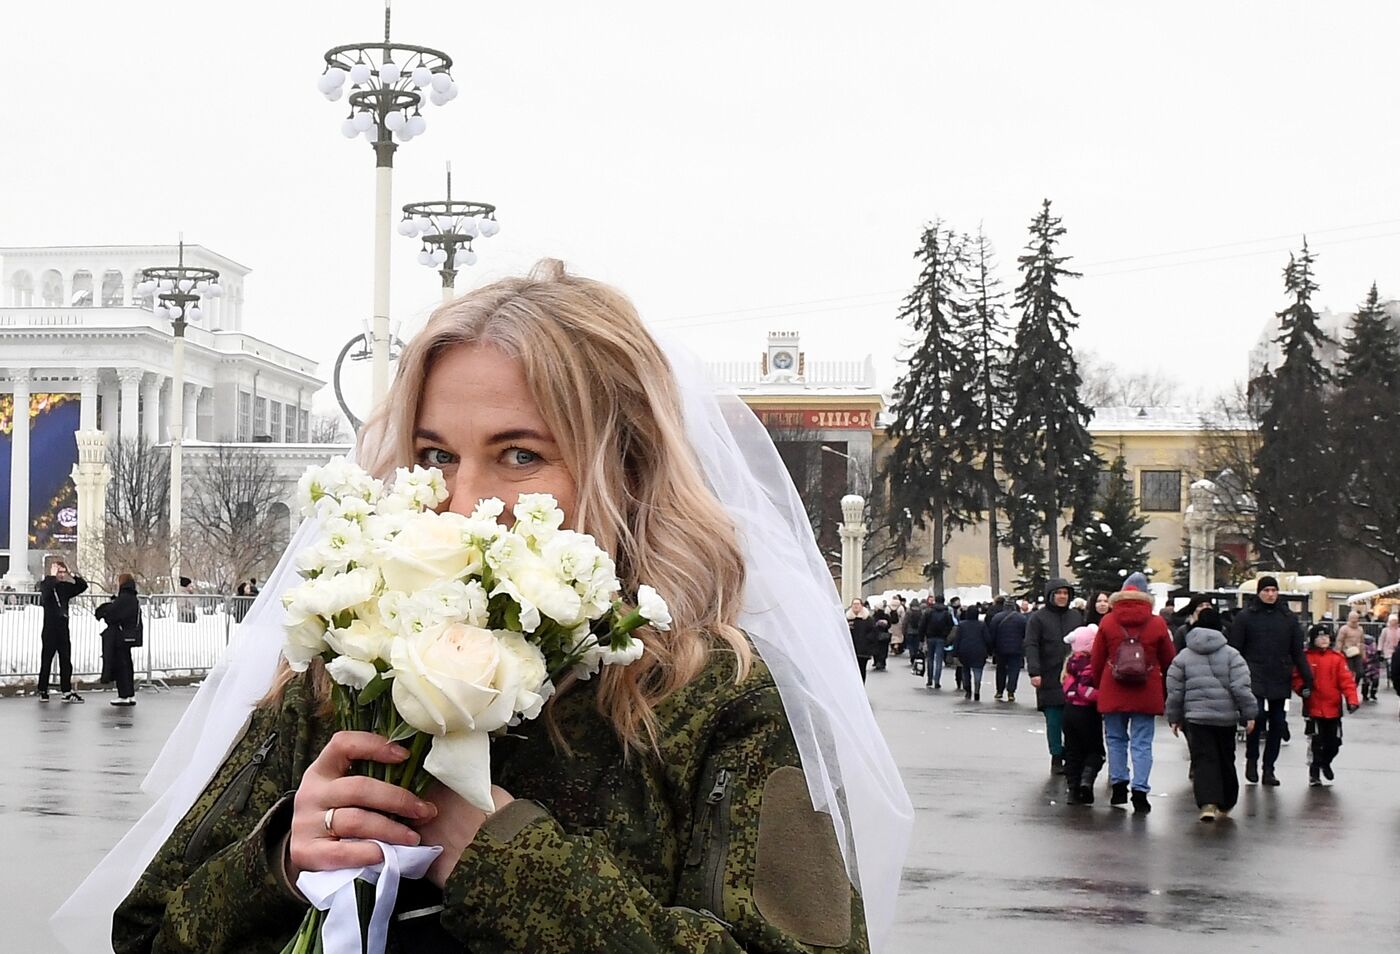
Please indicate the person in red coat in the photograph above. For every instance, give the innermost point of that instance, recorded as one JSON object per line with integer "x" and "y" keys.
{"x": 1129, "y": 660}
{"x": 1333, "y": 684}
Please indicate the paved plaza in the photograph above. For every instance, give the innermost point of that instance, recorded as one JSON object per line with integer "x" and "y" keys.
{"x": 998, "y": 862}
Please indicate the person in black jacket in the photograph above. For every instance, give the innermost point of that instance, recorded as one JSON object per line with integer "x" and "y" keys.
{"x": 123, "y": 618}
{"x": 913, "y": 637}
{"x": 863, "y": 637}
{"x": 884, "y": 623}
{"x": 1270, "y": 638}
{"x": 1008, "y": 636}
{"x": 935, "y": 628}
{"x": 972, "y": 647}
{"x": 1045, "y": 651}
{"x": 55, "y": 591}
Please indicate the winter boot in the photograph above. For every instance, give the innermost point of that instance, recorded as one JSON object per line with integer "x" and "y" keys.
{"x": 1140, "y": 804}
{"x": 1327, "y": 772}
{"x": 1119, "y": 799}
{"x": 1313, "y": 780}
{"x": 1209, "y": 813}
{"x": 1057, "y": 765}
{"x": 1251, "y": 771}
{"x": 1270, "y": 778}
{"x": 1086, "y": 793}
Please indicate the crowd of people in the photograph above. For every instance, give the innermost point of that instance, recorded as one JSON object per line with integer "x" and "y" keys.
{"x": 1104, "y": 669}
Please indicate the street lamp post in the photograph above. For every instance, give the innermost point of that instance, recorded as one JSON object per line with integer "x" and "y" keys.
{"x": 358, "y": 349}
{"x": 446, "y": 229}
{"x": 177, "y": 291}
{"x": 387, "y": 82}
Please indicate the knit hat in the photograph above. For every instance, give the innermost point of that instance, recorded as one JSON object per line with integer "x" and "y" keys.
{"x": 1209, "y": 618}
{"x": 1265, "y": 582}
{"x": 1134, "y": 588}
{"x": 1316, "y": 630}
{"x": 1081, "y": 640}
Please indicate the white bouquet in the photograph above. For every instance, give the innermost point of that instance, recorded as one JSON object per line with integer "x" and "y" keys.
{"x": 439, "y": 629}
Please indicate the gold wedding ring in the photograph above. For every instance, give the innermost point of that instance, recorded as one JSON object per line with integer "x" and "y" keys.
{"x": 329, "y": 822}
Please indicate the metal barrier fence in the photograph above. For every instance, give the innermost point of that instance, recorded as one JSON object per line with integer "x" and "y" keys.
{"x": 184, "y": 635}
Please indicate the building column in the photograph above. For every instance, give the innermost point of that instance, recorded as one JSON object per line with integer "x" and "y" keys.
{"x": 90, "y": 476}
{"x": 88, "y": 381}
{"x": 191, "y": 412}
{"x": 852, "y": 531}
{"x": 18, "y": 575}
{"x": 131, "y": 396}
{"x": 111, "y": 398}
{"x": 150, "y": 409}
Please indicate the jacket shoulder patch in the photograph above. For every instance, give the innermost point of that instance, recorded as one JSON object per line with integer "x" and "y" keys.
{"x": 800, "y": 884}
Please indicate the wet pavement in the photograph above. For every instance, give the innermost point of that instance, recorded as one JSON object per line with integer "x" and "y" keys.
{"x": 998, "y": 862}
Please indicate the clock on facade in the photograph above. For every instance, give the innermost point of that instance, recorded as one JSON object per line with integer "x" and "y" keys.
{"x": 782, "y": 360}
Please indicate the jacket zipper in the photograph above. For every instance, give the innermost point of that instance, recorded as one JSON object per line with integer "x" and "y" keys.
{"x": 716, "y": 841}
{"x": 232, "y": 800}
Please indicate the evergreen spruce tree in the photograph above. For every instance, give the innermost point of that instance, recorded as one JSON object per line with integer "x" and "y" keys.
{"x": 1366, "y": 415}
{"x": 1111, "y": 545}
{"x": 1296, "y": 483}
{"x": 1048, "y": 454}
{"x": 986, "y": 393}
{"x": 929, "y": 480}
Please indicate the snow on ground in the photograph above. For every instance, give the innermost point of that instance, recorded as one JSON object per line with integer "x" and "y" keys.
{"x": 182, "y": 640}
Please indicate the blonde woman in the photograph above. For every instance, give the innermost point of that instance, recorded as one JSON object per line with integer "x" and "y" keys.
{"x": 667, "y": 806}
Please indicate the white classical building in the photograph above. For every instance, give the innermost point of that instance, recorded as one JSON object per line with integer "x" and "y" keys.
{"x": 72, "y": 323}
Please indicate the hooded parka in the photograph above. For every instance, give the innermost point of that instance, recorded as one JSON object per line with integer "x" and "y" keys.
{"x": 1045, "y": 646}
{"x": 1132, "y": 614}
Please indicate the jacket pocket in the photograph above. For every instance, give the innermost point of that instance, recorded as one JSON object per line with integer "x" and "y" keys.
{"x": 709, "y": 844}
{"x": 231, "y": 801}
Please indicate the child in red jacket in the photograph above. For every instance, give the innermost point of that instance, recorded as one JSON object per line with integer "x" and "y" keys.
{"x": 1083, "y": 727}
{"x": 1332, "y": 685}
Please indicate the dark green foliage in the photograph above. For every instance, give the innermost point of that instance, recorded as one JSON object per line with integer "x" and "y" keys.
{"x": 930, "y": 480}
{"x": 1111, "y": 545}
{"x": 1296, "y": 482}
{"x": 1365, "y": 419}
{"x": 1048, "y": 455}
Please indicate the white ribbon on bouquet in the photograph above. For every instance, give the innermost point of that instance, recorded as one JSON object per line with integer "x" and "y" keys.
{"x": 334, "y": 892}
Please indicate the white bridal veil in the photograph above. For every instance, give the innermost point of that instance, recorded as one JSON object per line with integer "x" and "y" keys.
{"x": 791, "y": 609}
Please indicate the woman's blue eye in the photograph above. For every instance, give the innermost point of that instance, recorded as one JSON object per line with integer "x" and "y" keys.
{"x": 520, "y": 457}
{"x": 434, "y": 456}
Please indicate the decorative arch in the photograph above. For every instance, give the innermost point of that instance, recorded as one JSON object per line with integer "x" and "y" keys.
{"x": 22, "y": 289}
{"x": 51, "y": 289}
{"x": 113, "y": 288}
{"x": 83, "y": 292}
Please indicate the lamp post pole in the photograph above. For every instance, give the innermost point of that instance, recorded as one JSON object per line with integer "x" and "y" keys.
{"x": 446, "y": 229}
{"x": 386, "y": 82}
{"x": 177, "y": 292}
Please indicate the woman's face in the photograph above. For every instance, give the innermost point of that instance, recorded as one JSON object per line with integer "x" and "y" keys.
{"x": 1101, "y": 605}
{"x": 479, "y": 424}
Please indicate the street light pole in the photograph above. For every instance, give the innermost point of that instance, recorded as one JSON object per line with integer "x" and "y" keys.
{"x": 177, "y": 292}
{"x": 446, "y": 229}
{"x": 386, "y": 81}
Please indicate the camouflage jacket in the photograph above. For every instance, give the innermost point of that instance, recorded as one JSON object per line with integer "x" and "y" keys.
{"x": 713, "y": 847}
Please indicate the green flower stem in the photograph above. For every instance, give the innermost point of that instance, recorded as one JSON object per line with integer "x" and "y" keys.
{"x": 632, "y": 621}
{"x": 416, "y": 753}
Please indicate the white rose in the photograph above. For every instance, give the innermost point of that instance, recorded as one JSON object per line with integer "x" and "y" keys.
{"x": 653, "y": 608}
{"x": 429, "y": 547}
{"x": 352, "y": 672}
{"x": 531, "y": 676}
{"x": 364, "y": 639}
{"x": 629, "y": 653}
{"x": 445, "y": 685}
{"x": 305, "y": 641}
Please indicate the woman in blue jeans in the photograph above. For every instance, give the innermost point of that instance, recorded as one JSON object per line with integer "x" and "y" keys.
{"x": 1129, "y": 660}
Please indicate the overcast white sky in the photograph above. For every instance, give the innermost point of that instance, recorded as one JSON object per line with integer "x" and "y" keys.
{"x": 737, "y": 166}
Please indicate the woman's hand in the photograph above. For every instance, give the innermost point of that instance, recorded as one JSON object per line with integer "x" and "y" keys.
{"x": 454, "y": 827}
{"x": 363, "y": 807}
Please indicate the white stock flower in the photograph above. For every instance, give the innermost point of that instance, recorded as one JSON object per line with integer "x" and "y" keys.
{"x": 419, "y": 488}
{"x": 453, "y": 601}
{"x": 653, "y": 608}
{"x": 327, "y": 596}
{"x": 585, "y": 645}
{"x": 488, "y": 509}
{"x": 367, "y": 640}
{"x": 629, "y": 653}
{"x": 352, "y": 672}
{"x": 428, "y": 547}
{"x": 341, "y": 543}
{"x": 539, "y": 591}
{"x": 305, "y": 641}
{"x": 537, "y": 516}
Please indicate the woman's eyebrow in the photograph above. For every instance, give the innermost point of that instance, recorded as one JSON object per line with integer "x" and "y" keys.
{"x": 518, "y": 434}
{"x": 422, "y": 433}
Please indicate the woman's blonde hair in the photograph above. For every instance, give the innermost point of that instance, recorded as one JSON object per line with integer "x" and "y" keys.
{"x": 609, "y": 396}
